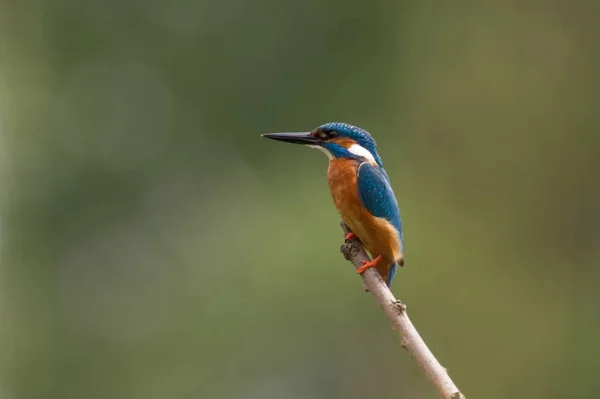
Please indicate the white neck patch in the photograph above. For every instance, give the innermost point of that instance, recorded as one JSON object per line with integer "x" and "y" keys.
{"x": 361, "y": 151}
{"x": 318, "y": 147}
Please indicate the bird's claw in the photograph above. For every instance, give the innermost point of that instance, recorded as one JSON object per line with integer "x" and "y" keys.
{"x": 366, "y": 264}
{"x": 349, "y": 236}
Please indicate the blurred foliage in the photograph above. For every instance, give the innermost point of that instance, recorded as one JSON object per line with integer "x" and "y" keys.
{"x": 153, "y": 245}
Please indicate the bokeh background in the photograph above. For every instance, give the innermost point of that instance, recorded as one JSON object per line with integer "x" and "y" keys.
{"x": 153, "y": 245}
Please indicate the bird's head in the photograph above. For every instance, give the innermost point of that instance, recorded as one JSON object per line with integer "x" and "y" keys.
{"x": 337, "y": 140}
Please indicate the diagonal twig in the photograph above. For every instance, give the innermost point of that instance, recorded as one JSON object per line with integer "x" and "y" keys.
{"x": 396, "y": 311}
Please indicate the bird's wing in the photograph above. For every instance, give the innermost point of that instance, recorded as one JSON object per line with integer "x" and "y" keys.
{"x": 377, "y": 196}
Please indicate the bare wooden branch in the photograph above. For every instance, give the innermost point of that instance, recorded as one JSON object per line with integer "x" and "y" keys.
{"x": 396, "y": 311}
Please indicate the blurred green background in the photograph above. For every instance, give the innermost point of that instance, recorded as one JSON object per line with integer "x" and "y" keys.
{"x": 152, "y": 245}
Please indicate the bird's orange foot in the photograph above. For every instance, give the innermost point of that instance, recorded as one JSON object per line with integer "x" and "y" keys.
{"x": 366, "y": 265}
{"x": 349, "y": 236}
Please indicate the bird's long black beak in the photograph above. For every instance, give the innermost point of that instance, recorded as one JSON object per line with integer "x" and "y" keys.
{"x": 295, "y": 138}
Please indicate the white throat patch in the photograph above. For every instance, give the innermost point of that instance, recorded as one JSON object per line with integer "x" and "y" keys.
{"x": 318, "y": 147}
{"x": 361, "y": 151}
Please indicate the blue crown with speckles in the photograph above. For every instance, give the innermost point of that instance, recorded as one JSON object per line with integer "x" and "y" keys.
{"x": 362, "y": 137}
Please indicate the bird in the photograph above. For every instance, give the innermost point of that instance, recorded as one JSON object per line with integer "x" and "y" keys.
{"x": 361, "y": 191}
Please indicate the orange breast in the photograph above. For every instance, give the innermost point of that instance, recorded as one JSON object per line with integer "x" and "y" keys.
{"x": 377, "y": 234}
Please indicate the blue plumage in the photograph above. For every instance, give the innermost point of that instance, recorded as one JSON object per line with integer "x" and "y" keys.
{"x": 362, "y": 137}
{"x": 378, "y": 198}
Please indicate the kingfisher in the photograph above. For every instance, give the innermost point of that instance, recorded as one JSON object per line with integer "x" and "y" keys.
{"x": 361, "y": 191}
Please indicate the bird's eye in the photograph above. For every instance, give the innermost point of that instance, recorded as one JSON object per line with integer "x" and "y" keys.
{"x": 331, "y": 134}
{"x": 325, "y": 134}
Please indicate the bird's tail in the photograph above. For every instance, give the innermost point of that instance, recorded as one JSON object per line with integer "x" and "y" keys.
{"x": 391, "y": 274}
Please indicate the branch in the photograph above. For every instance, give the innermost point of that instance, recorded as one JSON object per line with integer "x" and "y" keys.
{"x": 396, "y": 311}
